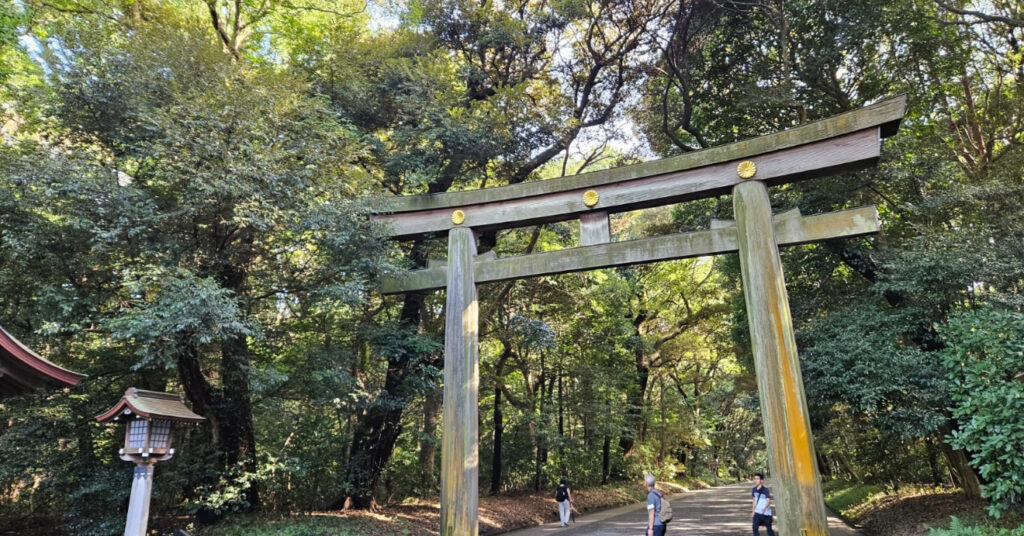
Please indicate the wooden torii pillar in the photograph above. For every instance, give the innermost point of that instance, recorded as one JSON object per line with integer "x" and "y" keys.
{"x": 841, "y": 143}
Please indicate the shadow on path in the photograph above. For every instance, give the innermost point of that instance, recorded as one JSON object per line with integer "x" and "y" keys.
{"x": 719, "y": 511}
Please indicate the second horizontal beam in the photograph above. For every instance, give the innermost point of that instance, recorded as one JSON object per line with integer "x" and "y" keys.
{"x": 790, "y": 229}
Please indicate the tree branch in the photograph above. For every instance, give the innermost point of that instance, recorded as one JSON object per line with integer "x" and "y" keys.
{"x": 982, "y": 17}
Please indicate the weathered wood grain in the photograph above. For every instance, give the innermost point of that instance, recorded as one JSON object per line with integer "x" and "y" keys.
{"x": 791, "y": 229}
{"x": 850, "y": 151}
{"x": 137, "y": 520}
{"x": 594, "y": 228}
{"x": 885, "y": 114}
{"x": 459, "y": 456}
{"x": 799, "y": 502}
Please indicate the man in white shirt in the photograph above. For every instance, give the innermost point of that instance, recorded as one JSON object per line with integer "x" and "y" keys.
{"x": 761, "y": 509}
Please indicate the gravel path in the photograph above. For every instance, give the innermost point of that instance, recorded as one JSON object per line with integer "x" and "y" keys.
{"x": 720, "y": 511}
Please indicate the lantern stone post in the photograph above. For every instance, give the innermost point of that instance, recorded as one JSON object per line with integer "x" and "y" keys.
{"x": 150, "y": 417}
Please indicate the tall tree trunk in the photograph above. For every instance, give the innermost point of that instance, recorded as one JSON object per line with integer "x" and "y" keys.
{"x": 664, "y": 422}
{"x": 606, "y": 459}
{"x": 538, "y": 475}
{"x": 428, "y": 438}
{"x": 228, "y": 409}
{"x": 237, "y": 438}
{"x": 637, "y": 392}
{"x": 959, "y": 468}
{"x": 561, "y": 408}
{"x": 378, "y": 427}
{"x": 499, "y": 418}
{"x": 499, "y": 426}
{"x": 933, "y": 462}
{"x": 541, "y": 448}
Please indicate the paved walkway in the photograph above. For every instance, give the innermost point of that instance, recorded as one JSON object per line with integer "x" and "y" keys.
{"x": 720, "y": 511}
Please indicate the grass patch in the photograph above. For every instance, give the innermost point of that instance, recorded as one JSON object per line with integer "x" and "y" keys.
{"x": 830, "y": 486}
{"x": 843, "y": 497}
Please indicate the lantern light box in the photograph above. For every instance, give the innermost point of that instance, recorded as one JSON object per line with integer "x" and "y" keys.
{"x": 150, "y": 418}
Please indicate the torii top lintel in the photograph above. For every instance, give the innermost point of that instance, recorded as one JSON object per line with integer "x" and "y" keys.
{"x": 839, "y": 143}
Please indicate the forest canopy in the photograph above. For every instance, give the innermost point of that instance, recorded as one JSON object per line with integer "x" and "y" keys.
{"x": 184, "y": 197}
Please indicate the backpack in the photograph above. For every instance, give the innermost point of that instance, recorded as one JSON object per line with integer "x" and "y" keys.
{"x": 560, "y": 493}
{"x": 665, "y": 514}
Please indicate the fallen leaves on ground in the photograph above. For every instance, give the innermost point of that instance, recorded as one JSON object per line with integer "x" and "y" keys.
{"x": 913, "y": 514}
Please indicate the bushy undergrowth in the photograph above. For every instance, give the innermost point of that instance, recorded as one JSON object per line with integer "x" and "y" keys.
{"x": 957, "y": 528}
{"x": 984, "y": 351}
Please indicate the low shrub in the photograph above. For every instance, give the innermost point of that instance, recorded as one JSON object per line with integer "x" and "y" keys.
{"x": 957, "y": 528}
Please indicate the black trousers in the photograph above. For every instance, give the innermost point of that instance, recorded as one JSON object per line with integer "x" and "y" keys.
{"x": 761, "y": 519}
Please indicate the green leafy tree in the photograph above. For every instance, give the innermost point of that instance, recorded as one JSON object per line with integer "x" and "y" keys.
{"x": 984, "y": 359}
{"x": 179, "y": 215}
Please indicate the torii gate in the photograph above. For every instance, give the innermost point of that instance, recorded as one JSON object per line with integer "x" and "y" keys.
{"x": 840, "y": 143}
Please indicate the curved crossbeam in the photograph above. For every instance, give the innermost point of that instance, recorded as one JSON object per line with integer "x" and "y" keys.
{"x": 844, "y": 142}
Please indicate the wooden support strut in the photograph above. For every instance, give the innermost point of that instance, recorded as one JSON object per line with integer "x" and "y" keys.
{"x": 459, "y": 456}
{"x": 594, "y": 228}
{"x": 794, "y": 470}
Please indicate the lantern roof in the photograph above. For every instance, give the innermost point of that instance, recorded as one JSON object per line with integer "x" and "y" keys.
{"x": 23, "y": 371}
{"x": 151, "y": 405}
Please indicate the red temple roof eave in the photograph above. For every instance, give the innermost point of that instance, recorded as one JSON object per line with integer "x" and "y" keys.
{"x": 23, "y": 355}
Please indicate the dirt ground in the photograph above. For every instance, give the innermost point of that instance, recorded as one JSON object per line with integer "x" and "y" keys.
{"x": 913, "y": 514}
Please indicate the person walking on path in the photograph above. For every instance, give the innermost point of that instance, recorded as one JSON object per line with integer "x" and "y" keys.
{"x": 564, "y": 498}
{"x": 655, "y": 527}
{"x": 761, "y": 509}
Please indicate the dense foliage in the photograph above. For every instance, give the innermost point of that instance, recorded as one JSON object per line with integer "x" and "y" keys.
{"x": 983, "y": 359}
{"x": 183, "y": 196}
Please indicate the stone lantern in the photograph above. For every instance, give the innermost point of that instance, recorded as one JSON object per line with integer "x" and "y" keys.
{"x": 150, "y": 418}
